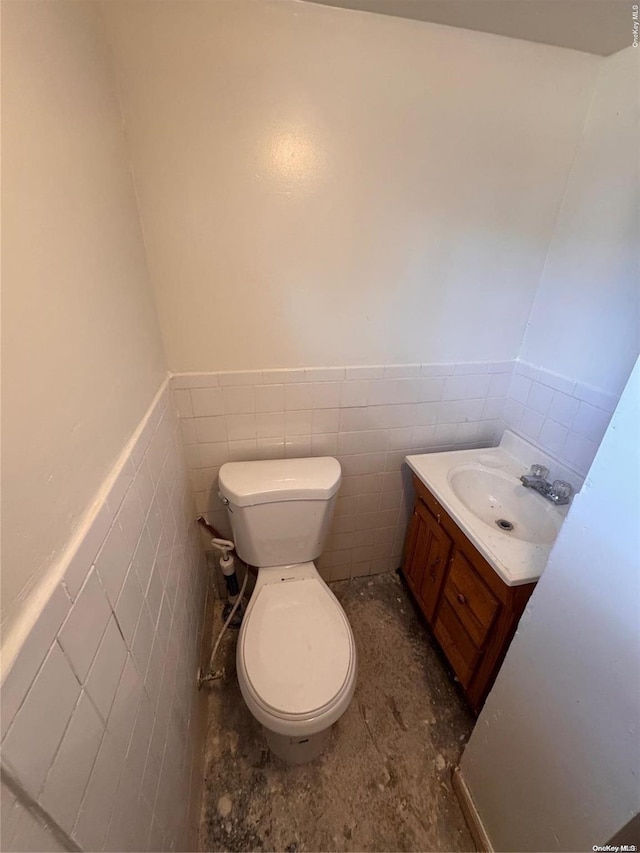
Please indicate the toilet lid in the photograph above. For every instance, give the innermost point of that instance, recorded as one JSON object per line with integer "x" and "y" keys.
{"x": 297, "y": 646}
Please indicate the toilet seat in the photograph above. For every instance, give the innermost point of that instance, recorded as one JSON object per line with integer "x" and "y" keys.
{"x": 296, "y": 655}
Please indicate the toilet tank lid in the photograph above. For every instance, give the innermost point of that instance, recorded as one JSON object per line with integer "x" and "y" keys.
{"x": 271, "y": 480}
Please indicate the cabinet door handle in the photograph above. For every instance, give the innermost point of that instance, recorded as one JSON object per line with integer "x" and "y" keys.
{"x": 461, "y": 598}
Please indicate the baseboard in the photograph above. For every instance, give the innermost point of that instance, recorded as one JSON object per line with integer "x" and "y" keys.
{"x": 474, "y": 822}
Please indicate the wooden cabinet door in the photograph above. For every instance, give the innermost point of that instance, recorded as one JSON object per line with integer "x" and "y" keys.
{"x": 426, "y": 557}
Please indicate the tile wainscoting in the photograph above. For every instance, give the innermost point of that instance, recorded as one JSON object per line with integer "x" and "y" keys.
{"x": 565, "y": 418}
{"x": 100, "y": 712}
{"x": 370, "y": 418}
{"x": 367, "y": 417}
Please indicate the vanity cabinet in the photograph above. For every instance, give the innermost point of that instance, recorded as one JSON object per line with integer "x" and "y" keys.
{"x": 471, "y": 612}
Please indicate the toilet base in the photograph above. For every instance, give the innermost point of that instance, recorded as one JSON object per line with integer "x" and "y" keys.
{"x": 297, "y": 750}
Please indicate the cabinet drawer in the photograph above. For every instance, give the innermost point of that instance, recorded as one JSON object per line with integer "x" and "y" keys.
{"x": 470, "y": 598}
{"x": 462, "y": 653}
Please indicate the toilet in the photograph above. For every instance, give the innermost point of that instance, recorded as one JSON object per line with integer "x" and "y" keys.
{"x": 296, "y": 656}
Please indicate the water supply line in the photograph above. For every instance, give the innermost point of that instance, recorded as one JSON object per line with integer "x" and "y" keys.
{"x": 234, "y": 596}
{"x": 216, "y": 675}
{"x": 228, "y": 568}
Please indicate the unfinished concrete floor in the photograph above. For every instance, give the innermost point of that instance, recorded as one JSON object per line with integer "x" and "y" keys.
{"x": 385, "y": 782}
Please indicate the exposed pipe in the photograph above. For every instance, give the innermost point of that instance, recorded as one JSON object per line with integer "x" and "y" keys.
{"x": 209, "y": 527}
{"x": 215, "y": 675}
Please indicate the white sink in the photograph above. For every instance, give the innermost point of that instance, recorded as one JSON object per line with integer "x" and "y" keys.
{"x": 479, "y": 488}
{"x": 501, "y": 501}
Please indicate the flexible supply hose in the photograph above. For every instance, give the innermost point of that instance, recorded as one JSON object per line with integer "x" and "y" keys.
{"x": 212, "y": 675}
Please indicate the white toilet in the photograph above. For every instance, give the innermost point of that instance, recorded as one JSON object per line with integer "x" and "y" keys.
{"x": 296, "y": 656}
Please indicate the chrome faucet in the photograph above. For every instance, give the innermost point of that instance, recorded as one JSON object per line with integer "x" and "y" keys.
{"x": 559, "y": 492}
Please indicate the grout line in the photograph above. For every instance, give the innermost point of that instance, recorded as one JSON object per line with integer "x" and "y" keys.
{"x": 36, "y": 811}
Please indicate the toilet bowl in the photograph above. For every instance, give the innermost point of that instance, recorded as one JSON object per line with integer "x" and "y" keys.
{"x": 296, "y": 656}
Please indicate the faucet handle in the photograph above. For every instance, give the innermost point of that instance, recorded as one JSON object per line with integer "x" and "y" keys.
{"x": 562, "y": 490}
{"x": 539, "y": 471}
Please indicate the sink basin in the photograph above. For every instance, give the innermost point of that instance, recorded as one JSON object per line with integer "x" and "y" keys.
{"x": 481, "y": 491}
{"x": 503, "y": 503}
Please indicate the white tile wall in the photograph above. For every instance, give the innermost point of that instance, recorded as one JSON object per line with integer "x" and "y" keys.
{"x": 563, "y": 417}
{"x": 368, "y": 417}
{"x": 29, "y": 832}
{"x": 98, "y": 709}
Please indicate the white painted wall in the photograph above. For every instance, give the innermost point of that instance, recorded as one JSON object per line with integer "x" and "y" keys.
{"x": 552, "y": 763}
{"x": 81, "y": 347}
{"x": 326, "y": 187}
{"x": 585, "y": 321}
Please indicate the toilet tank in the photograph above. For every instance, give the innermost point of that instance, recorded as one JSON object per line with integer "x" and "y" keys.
{"x": 280, "y": 509}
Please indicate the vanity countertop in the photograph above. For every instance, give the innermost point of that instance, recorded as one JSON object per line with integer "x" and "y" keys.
{"x": 479, "y": 488}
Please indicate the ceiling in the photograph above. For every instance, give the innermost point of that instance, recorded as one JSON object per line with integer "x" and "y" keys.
{"x": 594, "y": 26}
